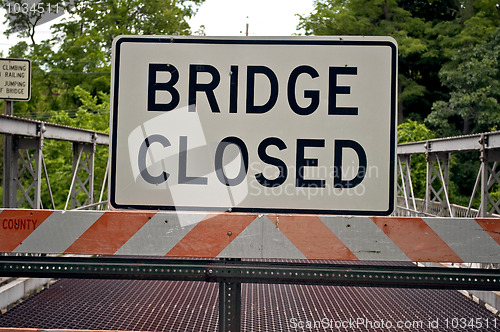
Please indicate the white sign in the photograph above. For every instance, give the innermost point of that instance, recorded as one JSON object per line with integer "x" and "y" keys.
{"x": 286, "y": 125}
{"x": 15, "y": 79}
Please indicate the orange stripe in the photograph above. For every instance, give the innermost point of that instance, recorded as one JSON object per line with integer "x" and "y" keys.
{"x": 416, "y": 239}
{"x": 312, "y": 237}
{"x": 109, "y": 233}
{"x": 17, "y": 225}
{"x": 211, "y": 235}
{"x": 492, "y": 226}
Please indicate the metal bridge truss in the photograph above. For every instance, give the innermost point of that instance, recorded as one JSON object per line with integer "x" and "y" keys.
{"x": 437, "y": 155}
{"x": 24, "y": 172}
{"x": 25, "y": 169}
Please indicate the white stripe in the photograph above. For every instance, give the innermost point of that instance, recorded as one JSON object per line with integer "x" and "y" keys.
{"x": 261, "y": 239}
{"x": 58, "y": 232}
{"x": 467, "y": 238}
{"x": 364, "y": 238}
{"x": 160, "y": 234}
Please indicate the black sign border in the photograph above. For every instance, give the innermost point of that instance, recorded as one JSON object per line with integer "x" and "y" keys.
{"x": 29, "y": 80}
{"x": 338, "y": 41}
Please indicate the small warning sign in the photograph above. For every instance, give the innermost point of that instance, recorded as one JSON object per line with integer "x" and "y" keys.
{"x": 15, "y": 79}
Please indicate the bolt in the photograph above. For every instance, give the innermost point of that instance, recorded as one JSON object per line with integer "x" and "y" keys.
{"x": 229, "y": 233}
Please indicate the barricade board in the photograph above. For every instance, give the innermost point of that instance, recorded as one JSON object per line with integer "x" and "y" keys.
{"x": 242, "y": 235}
{"x": 300, "y": 125}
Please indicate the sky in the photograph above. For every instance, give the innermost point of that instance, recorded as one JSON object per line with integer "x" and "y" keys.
{"x": 264, "y": 17}
{"x": 221, "y": 18}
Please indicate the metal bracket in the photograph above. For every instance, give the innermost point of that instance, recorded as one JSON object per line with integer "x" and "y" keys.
{"x": 229, "y": 306}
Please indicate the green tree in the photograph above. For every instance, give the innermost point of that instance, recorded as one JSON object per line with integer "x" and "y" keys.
{"x": 25, "y": 16}
{"x": 448, "y": 66}
{"x": 429, "y": 35}
{"x": 473, "y": 77}
{"x": 79, "y": 51}
{"x": 93, "y": 113}
{"x": 419, "y": 60}
{"x": 413, "y": 131}
{"x": 71, "y": 70}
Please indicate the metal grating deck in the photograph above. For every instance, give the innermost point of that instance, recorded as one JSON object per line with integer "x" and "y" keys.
{"x": 192, "y": 306}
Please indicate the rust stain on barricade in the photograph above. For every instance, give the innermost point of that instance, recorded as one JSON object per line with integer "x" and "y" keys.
{"x": 17, "y": 225}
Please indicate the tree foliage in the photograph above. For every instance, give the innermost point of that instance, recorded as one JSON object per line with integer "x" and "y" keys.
{"x": 418, "y": 59}
{"x": 449, "y": 59}
{"x": 413, "y": 131}
{"x": 473, "y": 78}
{"x": 438, "y": 42}
{"x": 449, "y": 67}
{"x": 79, "y": 51}
{"x": 71, "y": 70}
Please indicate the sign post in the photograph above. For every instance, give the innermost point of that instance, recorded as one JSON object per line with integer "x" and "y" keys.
{"x": 279, "y": 125}
{"x": 15, "y": 84}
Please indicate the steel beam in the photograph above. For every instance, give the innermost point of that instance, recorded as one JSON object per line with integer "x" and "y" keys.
{"x": 31, "y": 128}
{"x": 231, "y": 273}
{"x": 251, "y": 272}
{"x": 9, "y": 186}
{"x": 404, "y": 183}
{"x": 19, "y": 134}
{"x": 229, "y": 306}
{"x": 22, "y": 172}
{"x": 451, "y": 144}
{"x": 490, "y": 178}
{"x": 83, "y": 174}
{"x": 9, "y": 172}
{"x": 437, "y": 184}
